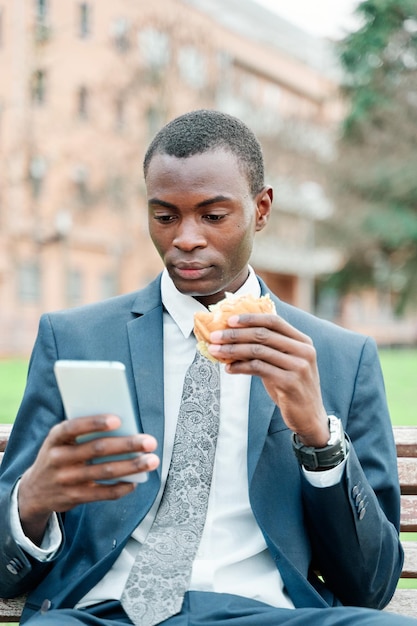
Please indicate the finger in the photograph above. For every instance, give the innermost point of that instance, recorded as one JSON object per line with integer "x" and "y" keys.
{"x": 267, "y": 320}
{"x": 88, "y": 473}
{"x": 252, "y": 357}
{"x": 68, "y": 431}
{"x": 93, "y": 492}
{"x": 81, "y": 453}
{"x": 108, "y": 446}
{"x": 256, "y": 342}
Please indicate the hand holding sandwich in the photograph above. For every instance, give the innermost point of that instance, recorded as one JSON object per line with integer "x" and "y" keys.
{"x": 263, "y": 344}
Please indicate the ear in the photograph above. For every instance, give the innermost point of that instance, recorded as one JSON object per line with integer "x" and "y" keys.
{"x": 263, "y": 206}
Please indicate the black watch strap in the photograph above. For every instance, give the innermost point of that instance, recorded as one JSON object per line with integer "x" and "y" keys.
{"x": 318, "y": 459}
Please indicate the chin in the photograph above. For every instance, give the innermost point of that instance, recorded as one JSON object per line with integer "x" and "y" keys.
{"x": 192, "y": 287}
{"x": 193, "y": 290}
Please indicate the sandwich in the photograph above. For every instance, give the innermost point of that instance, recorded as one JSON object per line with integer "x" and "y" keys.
{"x": 205, "y": 322}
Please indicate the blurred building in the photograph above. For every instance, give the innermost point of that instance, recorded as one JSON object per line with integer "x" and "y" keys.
{"x": 83, "y": 88}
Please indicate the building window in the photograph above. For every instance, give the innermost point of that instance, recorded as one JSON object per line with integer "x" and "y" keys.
{"x": 41, "y": 9}
{"x": 154, "y": 47}
{"x": 42, "y": 27}
{"x": 84, "y": 20}
{"x": 192, "y": 66}
{"x": 74, "y": 288}
{"x": 119, "y": 31}
{"x": 83, "y": 98}
{"x": 37, "y": 171}
{"x": 29, "y": 283}
{"x": 38, "y": 87}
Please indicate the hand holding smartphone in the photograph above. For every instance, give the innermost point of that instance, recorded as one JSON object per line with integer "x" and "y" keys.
{"x": 94, "y": 388}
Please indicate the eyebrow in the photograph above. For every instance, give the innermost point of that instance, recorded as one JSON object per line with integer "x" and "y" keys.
{"x": 203, "y": 203}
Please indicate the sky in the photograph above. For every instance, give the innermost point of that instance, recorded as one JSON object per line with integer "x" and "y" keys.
{"x": 324, "y": 18}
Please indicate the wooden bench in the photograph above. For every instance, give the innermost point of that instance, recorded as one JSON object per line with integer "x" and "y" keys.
{"x": 405, "y": 600}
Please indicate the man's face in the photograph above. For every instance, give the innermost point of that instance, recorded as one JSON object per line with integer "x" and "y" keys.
{"x": 202, "y": 221}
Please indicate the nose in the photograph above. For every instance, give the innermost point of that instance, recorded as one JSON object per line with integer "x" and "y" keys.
{"x": 189, "y": 235}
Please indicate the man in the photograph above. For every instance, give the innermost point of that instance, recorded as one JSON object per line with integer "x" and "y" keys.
{"x": 281, "y": 544}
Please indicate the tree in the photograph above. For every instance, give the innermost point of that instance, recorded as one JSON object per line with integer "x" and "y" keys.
{"x": 375, "y": 177}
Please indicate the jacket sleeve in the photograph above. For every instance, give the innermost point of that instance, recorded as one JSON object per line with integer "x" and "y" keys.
{"x": 40, "y": 409}
{"x": 19, "y": 571}
{"x": 354, "y": 525}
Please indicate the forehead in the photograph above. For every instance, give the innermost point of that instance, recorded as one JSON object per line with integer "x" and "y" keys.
{"x": 216, "y": 170}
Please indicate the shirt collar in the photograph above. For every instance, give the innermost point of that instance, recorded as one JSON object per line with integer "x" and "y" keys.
{"x": 182, "y": 307}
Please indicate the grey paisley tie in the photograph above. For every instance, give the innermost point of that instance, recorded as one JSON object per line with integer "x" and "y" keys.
{"x": 161, "y": 572}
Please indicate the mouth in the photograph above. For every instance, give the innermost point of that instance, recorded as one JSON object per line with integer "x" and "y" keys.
{"x": 190, "y": 271}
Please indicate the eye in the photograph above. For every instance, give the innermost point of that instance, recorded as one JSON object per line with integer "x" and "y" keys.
{"x": 165, "y": 219}
{"x": 213, "y": 217}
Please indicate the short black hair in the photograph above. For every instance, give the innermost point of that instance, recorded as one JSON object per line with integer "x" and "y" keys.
{"x": 204, "y": 130}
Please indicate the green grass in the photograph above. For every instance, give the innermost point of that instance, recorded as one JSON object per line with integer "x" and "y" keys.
{"x": 12, "y": 383}
{"x": 400, "y": 373}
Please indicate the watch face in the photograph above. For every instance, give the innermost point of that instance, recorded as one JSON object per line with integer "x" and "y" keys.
{"x": 336, "y": 430}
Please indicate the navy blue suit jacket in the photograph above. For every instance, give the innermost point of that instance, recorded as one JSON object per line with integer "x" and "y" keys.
{"x": 306, "y": 529}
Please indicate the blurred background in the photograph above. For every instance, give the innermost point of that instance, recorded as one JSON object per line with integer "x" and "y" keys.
{"x": 84, "y": 86}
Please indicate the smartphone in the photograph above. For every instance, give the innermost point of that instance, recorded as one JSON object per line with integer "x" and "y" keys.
{"x": 97, "y": 387}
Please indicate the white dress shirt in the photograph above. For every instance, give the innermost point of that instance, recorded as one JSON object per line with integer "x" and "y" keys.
{"x": 232, "y": 556}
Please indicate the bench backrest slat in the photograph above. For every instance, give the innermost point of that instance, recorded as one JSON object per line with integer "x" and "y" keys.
{"x": 406, "y": 441}
{"x": 410, "y": 560}
{"x": 409, "y": 514}
{"x": 407, "y": 470}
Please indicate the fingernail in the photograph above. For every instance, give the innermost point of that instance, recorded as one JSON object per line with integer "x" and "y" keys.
{"x": 148, "y": 443}
{"x": 112, "y": 421}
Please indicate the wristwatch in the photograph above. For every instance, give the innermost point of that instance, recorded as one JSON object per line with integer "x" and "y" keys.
{"x": 319, "y": 459}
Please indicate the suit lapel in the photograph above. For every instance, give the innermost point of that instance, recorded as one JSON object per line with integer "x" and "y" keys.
{"x": 261, "y": 409}
{"x": 145, "y": 334}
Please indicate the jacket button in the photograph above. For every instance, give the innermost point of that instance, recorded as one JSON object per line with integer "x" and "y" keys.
{"x": 358, "y": 498}
{"x": 355, "y": 491}
{"x": 362, "y": 513}
{"x": 14, "y": 566}
{"x": 361, "y": 505}
{"x": 11, "y": 568}
{"x": 45, "y": 606}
